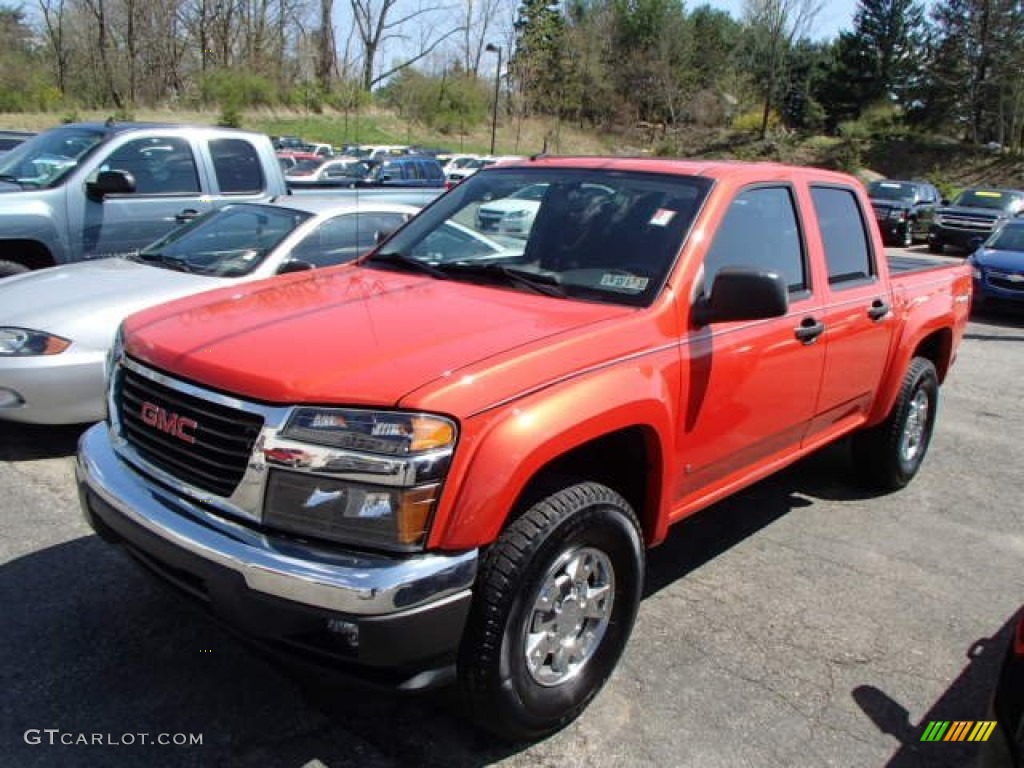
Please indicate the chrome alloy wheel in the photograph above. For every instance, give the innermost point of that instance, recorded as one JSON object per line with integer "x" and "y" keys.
{"x": 571, "y": 612}
{"x": 916, "y": 426}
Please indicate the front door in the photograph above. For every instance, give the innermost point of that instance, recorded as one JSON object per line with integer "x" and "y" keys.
{"x": 167, "y": 191}
{"x": 750, "y": 387}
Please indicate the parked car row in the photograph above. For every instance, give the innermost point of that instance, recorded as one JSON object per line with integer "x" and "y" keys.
{"x": 57, "y": 325}
{"x": 983, "y": 222}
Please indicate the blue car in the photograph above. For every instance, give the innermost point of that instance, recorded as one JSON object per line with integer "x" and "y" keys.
{"x": 998, "y": 267}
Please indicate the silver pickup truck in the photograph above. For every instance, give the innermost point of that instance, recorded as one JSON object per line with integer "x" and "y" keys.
{"x": 90, "y": 190}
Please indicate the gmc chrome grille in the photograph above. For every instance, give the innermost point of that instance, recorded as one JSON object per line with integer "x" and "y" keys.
{"x": 970, "y": 223}
{"x": 204, "y": 444}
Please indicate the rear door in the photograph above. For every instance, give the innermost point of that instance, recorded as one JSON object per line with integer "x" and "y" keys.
{"x": 751, "y": 386}
{"x": 858, "y": 319}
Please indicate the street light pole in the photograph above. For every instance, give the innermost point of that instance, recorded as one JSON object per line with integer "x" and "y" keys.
{"x": 492, "y": 48}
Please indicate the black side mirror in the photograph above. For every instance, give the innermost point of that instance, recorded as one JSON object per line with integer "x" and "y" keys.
{"x": 383, "y": 234}
{"x": 743, "y": 293}
{"x": 110, "y": 183}
{"x": 294, "y": 265}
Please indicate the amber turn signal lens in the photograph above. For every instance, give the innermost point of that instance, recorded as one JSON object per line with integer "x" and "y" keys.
{"x": 428, "y": 433}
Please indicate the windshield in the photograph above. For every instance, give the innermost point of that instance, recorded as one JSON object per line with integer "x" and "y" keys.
{"x": 891, "y": 190}
{"x": 1009, "y": 238}
{"x": 305, "y": 167}
{"x": 230, "y": 242}
{"x": 45, "y": 160}
{"x": 990, "y": 198}
{"x": 594, "y": 235}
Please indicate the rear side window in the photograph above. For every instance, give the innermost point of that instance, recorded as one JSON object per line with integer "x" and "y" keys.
{"x": 237, "y": 166}
{"x": 843, "y": 234}
{"x": 761, "y": 231}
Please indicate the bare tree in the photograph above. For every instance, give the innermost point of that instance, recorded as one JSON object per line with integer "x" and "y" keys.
{"x": 375, "y": 25}
{"x": 776, "y": 25}
{"x": 53, "y": 21}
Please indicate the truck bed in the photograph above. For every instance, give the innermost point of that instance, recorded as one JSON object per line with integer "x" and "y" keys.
{"x": 903, "y": 264}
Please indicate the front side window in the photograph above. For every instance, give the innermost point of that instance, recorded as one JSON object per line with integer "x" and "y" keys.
{"x": 843, "y": 234}
{"x": 237, "y": 166}
{"x": 160, "y": 165}
{"x": 346, "y": 237}
{"x": 760, "y": 231}
{"x": 586, "y": 234}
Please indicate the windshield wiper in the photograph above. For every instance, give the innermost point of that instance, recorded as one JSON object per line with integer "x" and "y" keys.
{"x": 395, "y": 259}
{"x": 546, "y": 285}
{"x": 180, "y": 265}
{"x": 10, "y": 178}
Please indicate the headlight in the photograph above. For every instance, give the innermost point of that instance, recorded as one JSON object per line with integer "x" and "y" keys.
{"x": 21, "y": 342}
{"x": 360, "y": 477}
{"x": 387, "y": 432}
{"x": 115, "y": 352}
{"x": 897, "y": 214}
{"x": 350, "y": 513}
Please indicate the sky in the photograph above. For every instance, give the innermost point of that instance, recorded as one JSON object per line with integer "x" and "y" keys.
{"x": 834, "y": 16}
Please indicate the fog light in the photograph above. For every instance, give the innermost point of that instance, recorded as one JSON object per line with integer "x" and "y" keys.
{"x": 348, "y": 630}
{"x": 10, "y": 399}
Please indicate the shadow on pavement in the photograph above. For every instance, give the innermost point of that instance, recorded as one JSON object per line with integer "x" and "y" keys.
{"x": 700, "y": 538}
{"x": 966, "y": 699}
{"x": 91, "y": 645}
{"x": 26, "y": 442}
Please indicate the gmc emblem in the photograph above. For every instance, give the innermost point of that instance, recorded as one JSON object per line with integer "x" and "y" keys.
{"x": 171, "y": 423}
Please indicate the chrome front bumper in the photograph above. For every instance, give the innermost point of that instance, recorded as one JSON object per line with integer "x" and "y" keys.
{"x": 355, "y": 584}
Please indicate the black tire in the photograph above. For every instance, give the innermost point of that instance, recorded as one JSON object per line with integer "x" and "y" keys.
{"x": 8, "y": 268}
{"x": 908, "y": 234}
{"x": 503, "y": 692}
{"x": 888, "y": 455}
{"x": 936, "y": 248}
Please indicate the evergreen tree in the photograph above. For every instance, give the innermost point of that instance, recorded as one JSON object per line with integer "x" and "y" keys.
{"x": 538, "y": 63}
{"x": 879, "y": 60}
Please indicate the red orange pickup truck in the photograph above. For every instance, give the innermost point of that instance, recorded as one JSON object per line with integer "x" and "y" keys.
{"x": 445, "y": 462}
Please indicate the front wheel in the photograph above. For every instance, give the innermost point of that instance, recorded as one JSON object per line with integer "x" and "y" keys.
{"x": 908, "y": 234}
{"x": 555, "y": 604}
{"x": 888, "y": 455}
{"x": 8, "y": 268}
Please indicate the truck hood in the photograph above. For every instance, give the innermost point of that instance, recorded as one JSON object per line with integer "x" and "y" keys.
{"x": 352, "y": 335}
{"x": 965, "y": 210}
{"x": 85, "y": 302}
{"x": 881, "y": 202}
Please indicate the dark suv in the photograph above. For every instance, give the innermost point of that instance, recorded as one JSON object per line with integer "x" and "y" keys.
{"x": 903, "y": 209}
{"x": 405, "y": 171}
{"x": 973, "y": 215}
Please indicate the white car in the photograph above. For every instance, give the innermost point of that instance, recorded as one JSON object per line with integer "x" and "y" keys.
{"x": 512, "y": 215}
{"x": 57, "y": 324}
{"x": 336, "y": 172}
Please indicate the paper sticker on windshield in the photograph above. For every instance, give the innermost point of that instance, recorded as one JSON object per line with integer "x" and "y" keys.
{"x": 662, "y": 217}
{"x": 890, "y": 185}
{"x": 624, "y": 282}
{"x": 989, "y": 194}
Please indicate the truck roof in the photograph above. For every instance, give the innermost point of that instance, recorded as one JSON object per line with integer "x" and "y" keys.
{"x": 714, "y": 169}
{"x": 116, "y": 127}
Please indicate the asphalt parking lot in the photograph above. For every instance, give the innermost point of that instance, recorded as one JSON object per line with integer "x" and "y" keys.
{"x": 801, "y": 623}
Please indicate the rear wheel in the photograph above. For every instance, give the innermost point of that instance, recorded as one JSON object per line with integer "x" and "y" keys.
{"x": 555, "y": 605}
{"x": 887, "y": 456}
